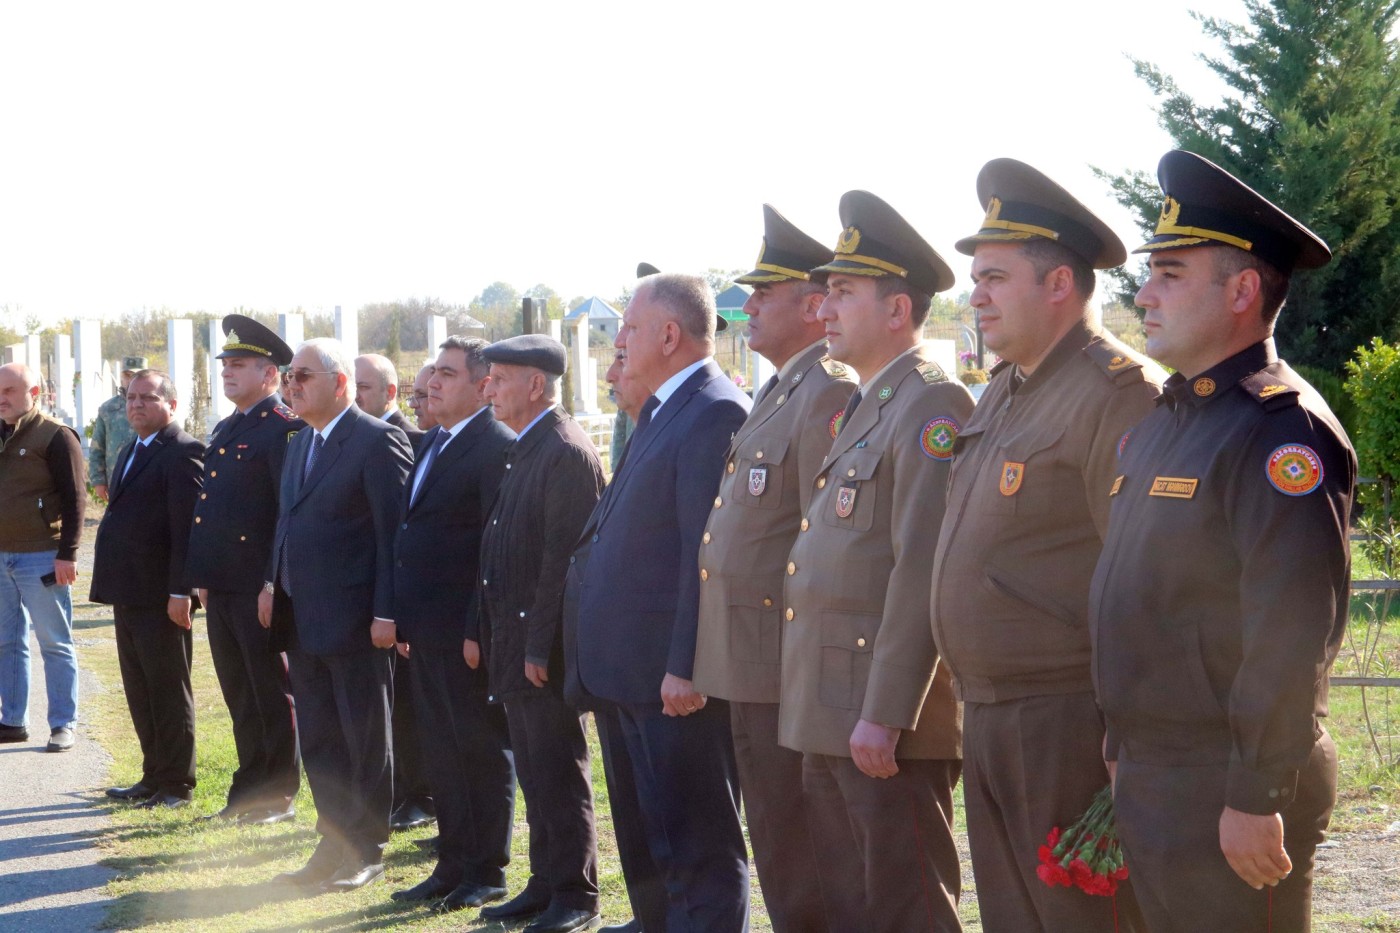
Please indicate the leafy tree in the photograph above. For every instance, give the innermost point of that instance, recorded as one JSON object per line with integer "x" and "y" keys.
{"x": 1373, "y": 382}
{"x": 1312, "y": 121}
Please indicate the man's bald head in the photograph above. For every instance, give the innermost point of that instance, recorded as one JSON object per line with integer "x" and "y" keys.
{"x": 19, "y": 391}
{"x": 376, "y": 384}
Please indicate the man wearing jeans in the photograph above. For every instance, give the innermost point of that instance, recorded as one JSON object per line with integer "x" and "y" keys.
{"x": 42, "y": 486}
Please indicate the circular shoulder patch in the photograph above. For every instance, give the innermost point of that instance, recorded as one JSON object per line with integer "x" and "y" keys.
{"x": 835, "y": 424}
{"x": 937, "y": 438}
{"x": 1295, "y": 469}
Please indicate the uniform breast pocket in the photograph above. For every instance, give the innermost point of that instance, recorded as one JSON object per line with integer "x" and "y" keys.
{"x": 848, "y": 647}
{"x": 759, "y": 461}
{"x": 851, "y": 504}
{"x": 1030, "y": 475}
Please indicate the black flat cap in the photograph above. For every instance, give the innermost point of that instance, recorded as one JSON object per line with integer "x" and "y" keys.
{"x": 1023, "y": 204}
{"x": 877, "y": 241}
{"x": 787, "y": 254}
{"x": 537, "y": 350}
{"x": 246, "y": 337}
{"x": 645, "y": 269}
{"x": 1207, "y": 206}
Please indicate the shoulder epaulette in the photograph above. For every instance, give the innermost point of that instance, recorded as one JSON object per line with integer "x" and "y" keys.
{"x": 1269, "y": 390}
{"x": 1110, "y": 359}
{"x": 931, "y": 372}
{"x": 834, "y": 369}
{"x": 286, "y": 413}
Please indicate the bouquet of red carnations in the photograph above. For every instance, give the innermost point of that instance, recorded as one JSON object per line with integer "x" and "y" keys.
{"x": 1086, "y": 856}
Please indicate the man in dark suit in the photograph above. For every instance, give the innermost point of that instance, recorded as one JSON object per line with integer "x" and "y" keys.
{"x": 377, "y": 395}
{"x": 633, "y": 596}
{"x": 553, "y": 480}
{"x": 139, "y": 569}
{"x": 329, "y": 598}
{"x": 466, "y": 750}
{"x": 230, "y": 541}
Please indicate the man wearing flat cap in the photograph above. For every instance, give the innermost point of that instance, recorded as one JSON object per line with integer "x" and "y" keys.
{"x": 111, "y": 431}
{"x": 553, "y": 480}
{"x": 230, "y": 544}
{"x": 864, "y": 697}
{"x": 1222, "y": 592}
{"x": 437, "y": 595}
{"x": 1027, "y": 510}
{"x": 767, "y": 483}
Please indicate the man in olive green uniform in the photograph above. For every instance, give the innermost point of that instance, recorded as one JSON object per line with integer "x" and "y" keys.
{"x": 770, "y": 468}
{"x": 1027, "y": 509}
{"x": 1223, "y": 590}
{"x": 110, "y": 432}
{"x": 863, "y": 695}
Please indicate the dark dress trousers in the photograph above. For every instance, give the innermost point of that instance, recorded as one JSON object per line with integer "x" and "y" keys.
{"x": 336, "y": 528}
{"x": 230, "y": 542}
{"x": 553, "y": 480}
{"x": 466, "y": 751}
{"x": 139, "y": 564}
{"x": 410, "y": 774}
{"x": 1213, "y": 679}
{"x": 632, "y": 603}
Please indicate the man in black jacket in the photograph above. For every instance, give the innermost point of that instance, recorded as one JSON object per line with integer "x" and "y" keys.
{"x": 465, "y": 748}
{"x": 139, "y": 570}
{"x": 230, "y": 541}
{"x": 553, "y": 480}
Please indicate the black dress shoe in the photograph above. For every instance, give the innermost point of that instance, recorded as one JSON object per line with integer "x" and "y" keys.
{"x": 560, "y": 919}
{"x": 354, "y": 875}
{"x": 226, "y": 815}
{"x": 631, "y": 926}
{"x": 470, "y": 894}
{"x": 531, "y": 902}
{"x": 13, "y": 733}
{"x": 317, "y": 870}
{"x": 267, "y": 817}
{"x": 410, "y": 816}
{"x": 429, "y": 889}
{"x": 163, "y": 799}
{"x": 137, "y": 791}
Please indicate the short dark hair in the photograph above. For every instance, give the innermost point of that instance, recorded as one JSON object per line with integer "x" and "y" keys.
{"x": 1273, "y": 284}
{"x": 887, "y": 285}
{"x": 474, "y": 348}
{"x": 1045, "y": 256}
{"x": 165, "y": 386}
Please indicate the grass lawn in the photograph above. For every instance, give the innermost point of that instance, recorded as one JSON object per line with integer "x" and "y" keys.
{"x": 177, "y": 873}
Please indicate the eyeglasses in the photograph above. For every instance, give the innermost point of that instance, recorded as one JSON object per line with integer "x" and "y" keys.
{"x": 299, "y": 376}
{"x": 416, "y": 399}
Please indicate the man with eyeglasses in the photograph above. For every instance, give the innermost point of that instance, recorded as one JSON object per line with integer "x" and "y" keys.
{"x": 418, "y": 401}
{"x": 329, "y": 600}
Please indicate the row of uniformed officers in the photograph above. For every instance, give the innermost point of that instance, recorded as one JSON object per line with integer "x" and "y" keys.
{"x": 841, "y": 597}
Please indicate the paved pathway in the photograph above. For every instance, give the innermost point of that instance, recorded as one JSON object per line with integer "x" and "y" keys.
{"x": 49, "y": 876}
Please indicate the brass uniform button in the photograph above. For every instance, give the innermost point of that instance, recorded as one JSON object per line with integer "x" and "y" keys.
{"x": 789, "y": 614}
{"x": 704, "y": 574}
{"x": 718, "y": 502}
{"x": 821, "y": 482}
{"x": 204, "y": 495}
{"x": 850, "y": 472}
{"x": 760, "y": 455}
{"x": 860, "y": 642}
{"x": 767, "y": 601}
{"x": 221, "y": 451}
{"x": 730, "y": 468}
{"x": 242, "y": 537}
{"x": 706, "y": 539}
{"x": 806, "y": 524}
{"x": 792, "y": 568}
{"x": 197, "y": 519}
{"x": 213, "y": 473}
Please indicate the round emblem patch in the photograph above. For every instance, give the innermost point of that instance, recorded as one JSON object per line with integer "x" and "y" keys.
{"x": 1203, "y": 386}
{"x": 1295, "y": 470}
{"x": 835, "y": 424}
{"x": 937, "y": 438}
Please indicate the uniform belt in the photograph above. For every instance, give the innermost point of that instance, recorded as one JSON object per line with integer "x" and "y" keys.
{"x": 999, "y": 689}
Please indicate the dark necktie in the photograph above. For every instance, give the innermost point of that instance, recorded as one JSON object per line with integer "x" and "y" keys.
{"x": 643, "y": 419}
{"x": 138, "y": 454}
{"x": 283, "y": 573}
{"x": 767, "y": 387}
{"x": 428, "y": 460}
{"x": 850, "y": 409}
{"x": 317, "y": 442}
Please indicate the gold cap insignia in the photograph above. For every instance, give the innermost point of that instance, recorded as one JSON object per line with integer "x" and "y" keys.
{"x": 1203, "y": 386}
{"x": 850, "y": 240}
{"x": 232, "y": 338}
{"x": 1171, "y": 211}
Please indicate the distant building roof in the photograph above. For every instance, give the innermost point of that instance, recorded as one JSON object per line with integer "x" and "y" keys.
{"x": 594, "y": 309}
{"x": 730, "y": 302}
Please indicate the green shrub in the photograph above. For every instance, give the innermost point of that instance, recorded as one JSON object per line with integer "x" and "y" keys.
{"x": 1373, "y": 382}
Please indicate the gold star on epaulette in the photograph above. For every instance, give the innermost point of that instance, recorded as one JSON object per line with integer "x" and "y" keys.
{"x": 932, "y": 373}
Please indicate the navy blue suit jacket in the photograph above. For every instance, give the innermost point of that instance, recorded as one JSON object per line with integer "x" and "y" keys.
{"x": 438, "y": 546}
{"x": 339, "y": 527}
{"x": 634, "y": 584}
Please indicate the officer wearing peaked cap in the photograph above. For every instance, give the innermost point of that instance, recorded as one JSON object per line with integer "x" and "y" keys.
{"x": 1021, "y": 537}
{"x": 230, "y": 542}
{"x": 863, "y": 696}
{"x": 769, "y": 470}
{"x": 1211, "y": 656}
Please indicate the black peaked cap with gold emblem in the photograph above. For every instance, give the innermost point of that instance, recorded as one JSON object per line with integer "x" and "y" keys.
{"x": 645, "y": 269}
{"x": 787, "y": 254}
{"x": 246, "y": 337}
{"x": 1207, "y": 206}
{"x": 1023, "y": 204}
{"x": 877, "y": 241}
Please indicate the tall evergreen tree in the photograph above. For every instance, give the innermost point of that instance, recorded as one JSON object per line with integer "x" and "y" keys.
{"x": 1311, "y": 121}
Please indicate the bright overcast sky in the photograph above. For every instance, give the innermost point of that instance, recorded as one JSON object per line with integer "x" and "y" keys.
{"x": 291, "y": 155}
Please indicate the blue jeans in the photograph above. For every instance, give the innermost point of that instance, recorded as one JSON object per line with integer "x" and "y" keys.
{"x": 24, "y": 598}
